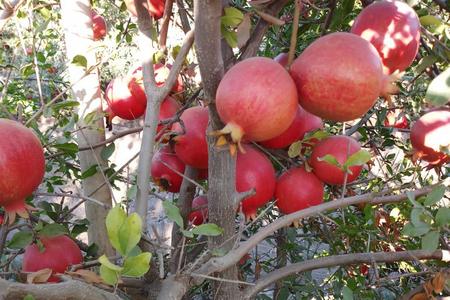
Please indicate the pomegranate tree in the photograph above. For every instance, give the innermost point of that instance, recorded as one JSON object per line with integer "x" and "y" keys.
{"x": 121, "y": 102}
{"x": 256, "y": 99}
{"x": 298, "y": 189}
{"x": 164, "y": 168}
{"x": 98, "y": 25}
{"x": 190, "y": 144}
{"x": 303, "y": 122}
{"x": 254, "y": 171}
{"x": 58, "y": 254}
{"x": 341, "y": 147}
{"x": 394, "y": 29}
{"x": 199, "y": 212}
{"x": 430, "y": 137}
{"x": 339, "y": 77}
{"x": 22, "y": 166}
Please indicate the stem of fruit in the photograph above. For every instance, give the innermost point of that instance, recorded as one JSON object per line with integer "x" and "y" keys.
{"x": 297, "y": 10}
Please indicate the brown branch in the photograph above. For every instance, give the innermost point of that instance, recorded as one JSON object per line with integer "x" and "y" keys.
{"x": 298, "y": 7}
{"x": 231, "y": 258}
{"x": 165, "y": 24}
{"x": 327, "y": 23}
{"x": 111, "y": 139}
{"x": 73, "y": 289}
{"x": 342, "y": 260}
{"x": 84, "y": 198}
{"x": 183, "y": 16}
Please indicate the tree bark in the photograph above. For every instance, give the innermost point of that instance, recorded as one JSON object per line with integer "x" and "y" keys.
{"x": 221, "y": 165}
{"x": 77, "y": 23}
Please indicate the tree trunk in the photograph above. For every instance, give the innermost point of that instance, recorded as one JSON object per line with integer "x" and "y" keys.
{"x": 77, "y": 25}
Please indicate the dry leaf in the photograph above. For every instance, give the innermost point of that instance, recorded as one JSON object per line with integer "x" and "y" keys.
{"x": 438, "y": 282}
{"x": 86, "y": 275}
{"x": 270, "y": 19}
{"x": 243, "y": 31}
{"x": 419, "y": 296}
{"x": 259, "y": 3}
{"x": 40, "y": 276}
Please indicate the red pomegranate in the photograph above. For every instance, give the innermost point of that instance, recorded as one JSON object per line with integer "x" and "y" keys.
{"x": 155, "y": 8}
{"x": 430, "y": 137}
{"x": 98, "y": 25}
{"x": 282, "y": 58}
{"x": 59, "y": 253}
{"x": 121, "y": 102}
{"x": 394, "y": 29}
{"x": 254, "y": 170}
{"x": 22, "y": 166}
{"x": 339, "y": 77}
{"x": 303, "y": 123}
{"x": 341, "y": 147}
{"x": 190, "y": 144}
{"x": 164, "y": 164}
{"x": 396, "y": 119}
{"x": 202, "y": 174}
{"x": 199, "y": 216}
{"x": 168, "y": 110}
{"x": 256, "y": 99}
{"x": 136, "y": 84}
{"x": 298, "y": 189}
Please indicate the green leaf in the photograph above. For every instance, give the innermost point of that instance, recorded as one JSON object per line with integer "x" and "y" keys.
{"x": 295, "y": 149}
{"x": 331, "y": 160}
{"x": 187, "y": 233}
{"x": 443, "y": 216}
{"x": 317, "y": 134}
{"x": 435, "y": 195}
{"x": 411, "y": 198}
{"x": 347, "y": 293}
{"x": 430, "y": 241}
{"x": 29, "y": 297}
{"x": 89, "y": 172}
{"x": 208, "y": 229}
{"x": 53, "y": 229}
{"x": 108, "y": 151}
{"x": 233, "y": 17}
{"x": 65, "y": 104}
{"x": 137, "y": 266}
{"x": 357, "y": 159}
{"x": 432, "y": 23}
{"x": 413, "y": 231}
{"x": 109, "y": 276}
{"x": 20, "y": 240}
{"x": 114, "y": 220}
{"x": 417, "y": 216}
{"x": 130, "y": 233}
{"x": 70, "y": 148}
{"x": 230, "y": 37}
{"x": 173, "y": 213}
{"x": 425, "y": 62}
{"x": 79, "y": 60}
{"x": 438, "y": 92}
{"x": 104, "y": 261}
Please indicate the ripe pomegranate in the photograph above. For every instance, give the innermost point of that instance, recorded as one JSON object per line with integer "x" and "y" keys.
{"x": 430, "y": 137}
{"x": 155, "y": 8}
{"x": 22, "y": 166}
{"x": 190, "y": 144}
{"x": 164, "y": 162}
{"x": 202, "y": 174}
{"x": 339, "y": 77}
{"x": 298, "y": 189}
{"x": 256, "y": 99}
{"x": 121, "y": 102}
{"x": 198, "y": 216}
{"x": 303, "y": 123}
{"x": 59, "y": 253}
{"x": 341, "y": 147}
{"x": 254, "y": 170}
{"x": 282, "y": 58}
{"x": 98, "y": 25}
{"x": 394, "y": 29}
{"x": 396, "y": 119}
{"x": 136, "y": 84}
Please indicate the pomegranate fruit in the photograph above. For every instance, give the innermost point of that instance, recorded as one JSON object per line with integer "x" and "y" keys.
{"x": 339, "y": 77}
{"x": 341, "y": 147}
{"x": 256, "y": 99}
{"x": 396, "y": 119}
{"x": 155, "y": 8}
{"x": 298, "y": 189}
{"x": 164, "y": 164}
{"x": 22, "y": 166}
{"x": 282, "y": 58}
{"x": 199, "y": 216}
{"x": 202, "y": 174}
{"x": 254, "y": 170}
{"x": 394, "y": 29}
{"x": 430, "y": 137}
{"x": 303, "y": 123}
{"x": 98, "y": 25}
{"x": 190, "y": 144}
{"x": 59, "y": 253}
{"x": 136, "y": 84}
{"x": 168, "y": 110}
{"x": 121, "y": 102}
